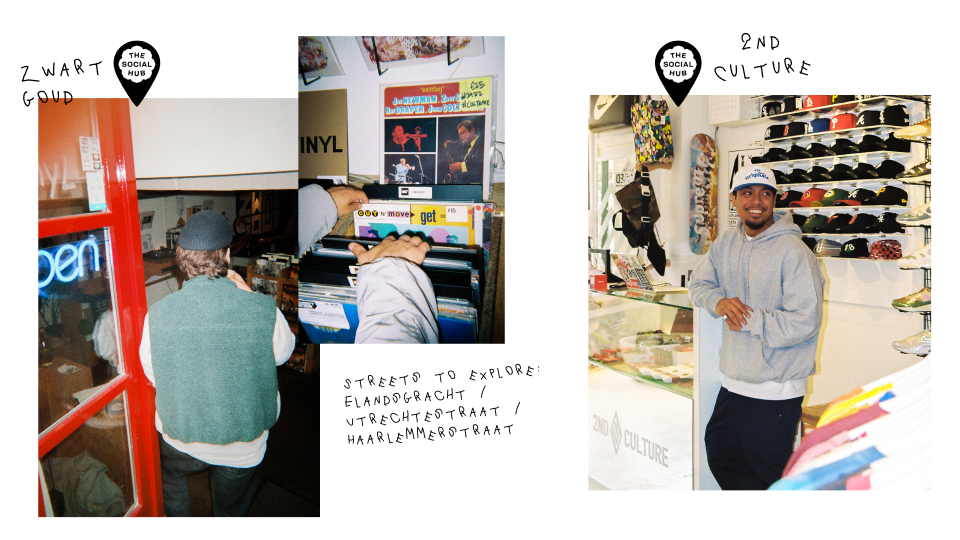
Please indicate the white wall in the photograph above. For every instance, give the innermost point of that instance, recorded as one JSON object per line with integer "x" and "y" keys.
{"x": 363, "y": 94}
{"x": 204, "y": 137}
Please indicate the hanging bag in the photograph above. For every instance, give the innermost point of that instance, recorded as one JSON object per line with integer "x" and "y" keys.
{"x": 639, "y": 212}
{"x": 652, "y": 134}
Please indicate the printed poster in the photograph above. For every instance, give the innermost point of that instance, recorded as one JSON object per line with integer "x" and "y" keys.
{"x": 438, "y": 133}
{"x": 453, "y": 224}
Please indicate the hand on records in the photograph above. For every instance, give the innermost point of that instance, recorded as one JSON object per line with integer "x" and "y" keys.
{"x": 347, "y": 199}
{"x": 412, "y": 249}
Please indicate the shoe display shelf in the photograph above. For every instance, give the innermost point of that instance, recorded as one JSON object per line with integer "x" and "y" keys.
{"x": 927, "y": 229}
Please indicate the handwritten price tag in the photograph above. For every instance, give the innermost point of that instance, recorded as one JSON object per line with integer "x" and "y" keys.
{"x": 475, "y": 94}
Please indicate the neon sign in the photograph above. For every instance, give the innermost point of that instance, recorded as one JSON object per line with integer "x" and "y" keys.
{"x": 66, "y": 264}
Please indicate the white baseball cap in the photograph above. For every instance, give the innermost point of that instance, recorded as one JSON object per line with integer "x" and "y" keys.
{"x": 754, "y": 175}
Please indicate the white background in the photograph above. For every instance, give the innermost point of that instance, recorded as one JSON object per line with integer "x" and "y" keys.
{"x": 534, "y": 481}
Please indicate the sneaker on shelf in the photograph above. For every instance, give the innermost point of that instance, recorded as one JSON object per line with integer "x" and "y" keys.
{"x": 918, "y": 174}
{"x": 915, "y": 344}
{"x": 919, "y": 216}
{"x": 918, "y": 259}
{"x": 915, "y": 132}
{"x": 916, "y": 302}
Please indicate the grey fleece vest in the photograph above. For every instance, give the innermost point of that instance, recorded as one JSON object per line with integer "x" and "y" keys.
{"x": 213, "y": 360}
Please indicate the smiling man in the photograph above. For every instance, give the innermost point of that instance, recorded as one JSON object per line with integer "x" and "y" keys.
{"x": 766, "y": 284}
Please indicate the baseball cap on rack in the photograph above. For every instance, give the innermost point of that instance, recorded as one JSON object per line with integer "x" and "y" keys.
{"x": 810, "y": 242}
{"x": 896, "y": 145}
{"x": 817, "y": 149}
{"x": 799, "y": 220}
{"x": 831, "y": 197}
{"x": 812, "y": 102}
{"x": 856, "y": 198}
{"x": 787, "y": 197}
{"x": 885, "y": 249}
{"x": 774, "y": 132}
{"x": 812, "y": 222}
{"x": 871, "y": 143}
{"x": 890, "y": 168}
{"x": 799, "y": 176}
{"x": 834, "y": 223}
{"x": 858, "y": 224}
{"x": 798, "y": 152}
{"x": 865, "y": 171}
{"x": 842, "y": 171}
{"x": 781, "y": 177}
{"x": 843, "y": 121}
{"x": 886, "y": 224}
{"x": 868, "y": 118}
{"x": 843, "y": 102}
{"x": 809, "y": 196}
{"x": 888, "y": 196}
{"x": 818, "y": 125}
{"x": 792, "y": 104}
{"x": 827, "y": 248}
{"x": 771, "y": 108}
{"x": 818, "y": 173}
{"x": 797, "y": 128}
{"x": 844, "y": 146}
{"x": 858, "y": 248}
{"x": 895, "y": 115}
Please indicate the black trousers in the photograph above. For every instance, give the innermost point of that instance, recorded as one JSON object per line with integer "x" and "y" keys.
{"x": 231, "y": 488}
{"x": 749, "y": 441}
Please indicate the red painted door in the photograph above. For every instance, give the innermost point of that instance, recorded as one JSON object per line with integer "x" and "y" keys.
{"x": 97, "y": 444}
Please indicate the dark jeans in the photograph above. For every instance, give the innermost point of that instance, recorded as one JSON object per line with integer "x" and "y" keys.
{"x": 749, "y": 441}
{"x": 232, "y": 489}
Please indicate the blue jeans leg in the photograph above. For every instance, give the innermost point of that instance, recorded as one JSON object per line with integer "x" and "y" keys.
{"x": 232, "y": 489}
{"x": 175, "y": 466}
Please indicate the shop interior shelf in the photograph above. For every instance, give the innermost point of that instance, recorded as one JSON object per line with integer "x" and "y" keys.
{"x": 821, "y": 134}
{"x": 845, "y": 106}
{"x": 683, "y": 388}
{"x": 856, "y": 235}
{"x": 672, "y": 299}
{"x": 860, "y": 156}
{"x": 848, "y": 209}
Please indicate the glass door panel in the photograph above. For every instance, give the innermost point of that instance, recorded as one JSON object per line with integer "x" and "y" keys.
{"x": 71, "y": 166}
{"x": 78, "y": 347}
{"x": 89, "y": 473}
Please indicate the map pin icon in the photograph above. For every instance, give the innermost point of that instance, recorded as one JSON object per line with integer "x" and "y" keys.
{"x": 136, "y": 65}
{"x": 678, "y": 65}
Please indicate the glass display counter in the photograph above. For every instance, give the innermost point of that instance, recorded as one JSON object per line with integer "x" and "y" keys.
{"x": 644, "y": 369}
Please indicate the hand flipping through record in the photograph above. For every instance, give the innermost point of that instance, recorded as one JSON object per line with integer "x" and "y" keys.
{"x": 412, "y": 249}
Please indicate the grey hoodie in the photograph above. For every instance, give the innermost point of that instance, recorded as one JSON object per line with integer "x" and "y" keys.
{"x": 776, "y": 275}
{"x": 395, "y": 299}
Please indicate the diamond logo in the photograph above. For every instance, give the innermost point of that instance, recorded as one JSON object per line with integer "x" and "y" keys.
{"x": 615, "y": 433}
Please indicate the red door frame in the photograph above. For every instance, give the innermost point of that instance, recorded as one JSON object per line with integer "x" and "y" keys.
{"x": 122, "y": 220}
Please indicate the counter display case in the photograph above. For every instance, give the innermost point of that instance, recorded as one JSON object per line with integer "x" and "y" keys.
{"x": 651, "y": 391}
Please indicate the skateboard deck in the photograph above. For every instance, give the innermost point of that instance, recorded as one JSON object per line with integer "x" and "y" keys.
{"x": 704, "y": 163}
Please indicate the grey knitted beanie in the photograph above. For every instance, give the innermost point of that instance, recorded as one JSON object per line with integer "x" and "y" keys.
{"x": 205, "y": 231}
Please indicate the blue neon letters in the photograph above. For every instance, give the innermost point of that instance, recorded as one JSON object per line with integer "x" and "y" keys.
{"x": 67, "y": 263}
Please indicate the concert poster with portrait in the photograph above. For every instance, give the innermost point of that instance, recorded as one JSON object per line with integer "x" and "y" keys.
{"x": 438, "y": 132}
